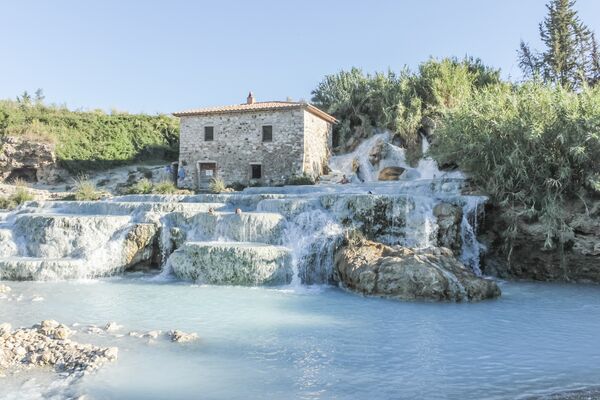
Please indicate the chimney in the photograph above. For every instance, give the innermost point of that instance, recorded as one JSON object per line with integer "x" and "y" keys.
{"x": 250, "y": 99}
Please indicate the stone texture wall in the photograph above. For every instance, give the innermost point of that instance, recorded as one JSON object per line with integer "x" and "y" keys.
{"x": 30, "y": 160}
{"x": 317, "y": 144}
{"x": 238, "y": 143}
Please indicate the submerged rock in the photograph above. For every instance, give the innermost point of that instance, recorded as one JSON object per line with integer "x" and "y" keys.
{"x": 182, "y": 337}
{"x": 47, "y": 345}
{"x": 409, "y": 274}
{"x": 232, "y": 263}
{"x": 112, "y": 327}
{"x": 4, "y": 289}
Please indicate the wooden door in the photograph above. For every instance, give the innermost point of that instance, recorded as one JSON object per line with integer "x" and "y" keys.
{"x": 206, "y": 171}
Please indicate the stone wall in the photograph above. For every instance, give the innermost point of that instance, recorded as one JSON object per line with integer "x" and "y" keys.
{"x": 237, "y": 144}
{"x": 317, "y": 144}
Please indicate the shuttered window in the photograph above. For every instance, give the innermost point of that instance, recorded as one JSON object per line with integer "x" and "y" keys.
{"x": 255, "y": 171}
{"x": 267, "y": 133}
{"x": 209, "y": 133}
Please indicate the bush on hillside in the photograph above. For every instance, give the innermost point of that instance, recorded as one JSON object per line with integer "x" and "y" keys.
{"x": 164, "y": 187}
{"x": 143, "y": 186}
{"x": 89, "y": 140}
{"x": 85, "y": 190}
{"x": 531, "y": 147}
{"x": 400, "y": 102}
{"x": 18, "y": 197}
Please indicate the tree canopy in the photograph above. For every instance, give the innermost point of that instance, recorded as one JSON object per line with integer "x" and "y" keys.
{"x": 570, "y": 57}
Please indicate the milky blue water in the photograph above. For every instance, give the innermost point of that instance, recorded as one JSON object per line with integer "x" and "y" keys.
{"x": 318, "y": 343}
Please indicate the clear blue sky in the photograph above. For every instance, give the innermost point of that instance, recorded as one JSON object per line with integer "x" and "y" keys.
{"x": 164, "y": 56}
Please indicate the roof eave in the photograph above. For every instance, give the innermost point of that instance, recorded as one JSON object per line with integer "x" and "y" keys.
{"x": 305, "y": 106}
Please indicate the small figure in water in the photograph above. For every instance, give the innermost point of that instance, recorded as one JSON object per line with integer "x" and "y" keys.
{"x": 211, "y": 210}
{"x": 238, "y": 211}
{"x": 344, "y": 180}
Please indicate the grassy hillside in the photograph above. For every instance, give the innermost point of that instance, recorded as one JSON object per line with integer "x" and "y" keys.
{"x": 88, "y": 140}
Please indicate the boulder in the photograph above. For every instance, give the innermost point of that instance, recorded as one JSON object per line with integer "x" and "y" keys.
{"x": 232, "y": 263}
{"x": 29, "y": 160}
{"x": 390, "y": 173}
{"x": 431, "y": 274}
{"x": 140, "y": 246}
{"x": 449, "y": 217}
{"x": 378, "y": 152}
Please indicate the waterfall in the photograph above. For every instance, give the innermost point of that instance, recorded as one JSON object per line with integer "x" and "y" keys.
{"x": 358, "y": 165}
{"x": 63, "y": 240}
{"x": 312, "y": 236}
{"x": 471, "y": 248}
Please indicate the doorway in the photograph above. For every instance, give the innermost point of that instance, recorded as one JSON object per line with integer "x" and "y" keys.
{"x": 206, "y": 172}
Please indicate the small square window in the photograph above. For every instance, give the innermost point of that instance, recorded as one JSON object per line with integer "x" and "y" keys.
{"x": 255, "y": 171}
{"x": 209, "y": 133}
{"x": 267, "y": 133}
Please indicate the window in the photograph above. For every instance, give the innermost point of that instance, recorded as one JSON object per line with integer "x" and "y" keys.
{"x": 255, "y": 171}
{"x": 209, "y": 133}
{"x": 267, "y": 133}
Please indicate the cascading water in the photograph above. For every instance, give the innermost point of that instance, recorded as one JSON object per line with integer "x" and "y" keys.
{"x": 60, "y": 240}
{"x": 375, "y": 154}
{"x": 471, "y": 248}
{"x": 312, "y": 236}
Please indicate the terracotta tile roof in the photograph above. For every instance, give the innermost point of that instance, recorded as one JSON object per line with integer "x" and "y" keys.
{"x": 257, "y": 106}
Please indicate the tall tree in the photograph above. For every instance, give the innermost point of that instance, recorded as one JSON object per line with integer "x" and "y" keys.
{"x": 566, "y": 59}
{"x": 39, "y": 96}
{"x": 594, "y": 62}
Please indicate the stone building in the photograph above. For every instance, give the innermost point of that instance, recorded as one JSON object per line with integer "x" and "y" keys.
{"x": 253, "y": 143}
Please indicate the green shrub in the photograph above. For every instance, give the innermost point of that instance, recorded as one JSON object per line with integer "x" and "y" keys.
{"x": 143, "y": 186}
{"x": 85, "y": 190}
{"x": 217, "y": 185}
{"x": 164, "y": 187}
{"x": 533, "y": 148}
{"x": 398, "y": 102}
{"x": 91, "y": 140}
{"x": 18, "y": 197}
{"x": 6, "y": 203}
{"x": 303, "y": 179}
{"x": 21, "y": 195}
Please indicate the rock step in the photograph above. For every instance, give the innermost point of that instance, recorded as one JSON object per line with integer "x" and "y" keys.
{"x": 289, "y": 207}
{"x": 332, "y": 177}
{"x": 245, "y": 201}
{"x": 246, "y": 227}
{"x": 107, "y": 208}
{"x": 232, "y": 263}
{"x": 35, "y": 268}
